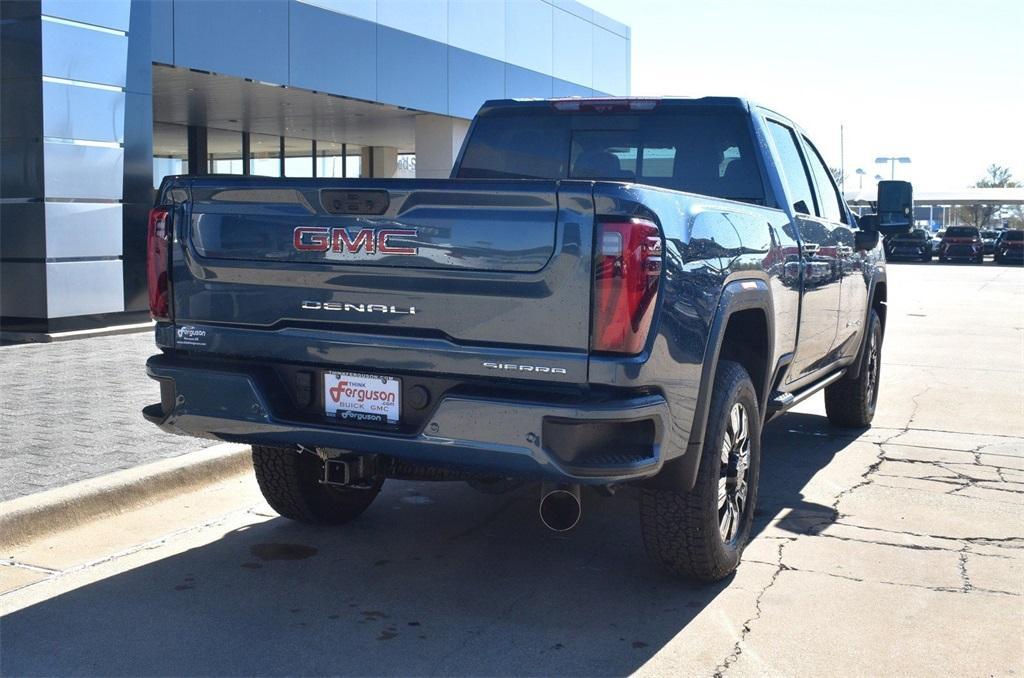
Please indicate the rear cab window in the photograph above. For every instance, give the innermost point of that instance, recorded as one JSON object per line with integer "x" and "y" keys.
{"x": 698, "y": 149}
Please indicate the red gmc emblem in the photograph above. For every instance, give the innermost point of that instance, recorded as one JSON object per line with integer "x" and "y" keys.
{"x": 367, "y": 240}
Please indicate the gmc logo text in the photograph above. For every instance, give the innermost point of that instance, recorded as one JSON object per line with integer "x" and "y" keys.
{"x": 366, "y": 240}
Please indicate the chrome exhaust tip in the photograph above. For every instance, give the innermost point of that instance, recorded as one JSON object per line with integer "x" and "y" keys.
{"x": 560, "y": 507}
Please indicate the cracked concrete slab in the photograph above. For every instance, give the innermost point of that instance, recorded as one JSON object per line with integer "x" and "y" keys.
{"x": 896, "y": 452}
{"x": 815, "y": 624}
{"x": 1000, "y": 494}
{"x": 904, "y": 469}
{"x": 874, "y": 562}
{"x": 996, "y": 573}
{"x": 919, "y": 484}
{"x": 931, "y": 513}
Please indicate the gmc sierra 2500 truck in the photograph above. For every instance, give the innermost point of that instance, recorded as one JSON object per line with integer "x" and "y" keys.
{"x": 605, "y": 292}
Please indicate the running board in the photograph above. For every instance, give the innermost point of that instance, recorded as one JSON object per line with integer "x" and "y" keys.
{"x": 781, "y": 402}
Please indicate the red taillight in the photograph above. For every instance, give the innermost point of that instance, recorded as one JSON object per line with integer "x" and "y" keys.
{"x": 627, "y": 270}
{"x": 157, "y": 261}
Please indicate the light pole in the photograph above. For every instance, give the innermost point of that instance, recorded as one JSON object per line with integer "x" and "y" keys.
{"x": 860, "y": 179}
{"x": 903, "y": 160}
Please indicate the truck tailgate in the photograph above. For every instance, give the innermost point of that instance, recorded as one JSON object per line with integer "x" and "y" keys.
{"x": 490, "y": 265}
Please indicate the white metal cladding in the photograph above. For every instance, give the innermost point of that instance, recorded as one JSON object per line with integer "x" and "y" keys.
{"x": 83, "y": 229}
{"x": 84, "y": 287}
{"x": 85, "y": 113}
{"x": 84, "y": 69}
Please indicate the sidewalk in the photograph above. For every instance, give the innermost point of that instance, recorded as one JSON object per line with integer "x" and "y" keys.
{"x": 70, "y": 410}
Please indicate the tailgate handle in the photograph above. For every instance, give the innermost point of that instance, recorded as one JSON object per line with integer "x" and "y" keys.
{"x": 355, "y": 202}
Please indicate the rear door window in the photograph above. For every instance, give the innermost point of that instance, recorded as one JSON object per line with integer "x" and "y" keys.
{"x": 829, "y": 202}
{"x": 794, "y": 171}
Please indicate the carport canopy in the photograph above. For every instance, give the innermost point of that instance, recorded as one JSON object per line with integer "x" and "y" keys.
{"x": 961, "y": 196}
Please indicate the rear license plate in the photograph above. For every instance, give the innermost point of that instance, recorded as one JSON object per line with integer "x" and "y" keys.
{"x": 362, "y": 398}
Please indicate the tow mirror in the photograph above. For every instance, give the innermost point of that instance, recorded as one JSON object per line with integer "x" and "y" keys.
{"x": 866, "y": 240}
{"x": 895, "y": 207}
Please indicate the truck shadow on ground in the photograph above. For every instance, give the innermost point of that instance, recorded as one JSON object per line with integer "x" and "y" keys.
{"x": 433, "y": 579}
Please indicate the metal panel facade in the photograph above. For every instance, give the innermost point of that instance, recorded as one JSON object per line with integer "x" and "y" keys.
{"x": 75, "y": 288}
{"x": 472, "y": 79}
{"x": 331, "y": 52}
{"x": 82, "y": 229}
{"x": 400, "y": 52}
{"x": 106, "y": 13}
{"x": 522, "y": 83}
{"x": 247, "y": 40}
{"x": 528, "y": 31}
{"x": 77, "y": 171}
{"x": 411, "y": 71}
{"x": 72, "y": 112}
{"x": 477, "y": 27}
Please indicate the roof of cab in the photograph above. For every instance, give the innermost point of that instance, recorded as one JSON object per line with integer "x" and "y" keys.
{"x": 737, "y": 102}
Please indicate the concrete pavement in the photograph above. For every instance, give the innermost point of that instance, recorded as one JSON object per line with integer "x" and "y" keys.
{"x": 899, "y": 550}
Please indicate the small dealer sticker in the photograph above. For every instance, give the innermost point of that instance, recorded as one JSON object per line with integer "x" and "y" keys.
{"x": 191, "y": 336}
{"x": 362, "y": 397}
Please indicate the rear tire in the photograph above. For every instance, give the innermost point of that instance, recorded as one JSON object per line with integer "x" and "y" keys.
{"x": 686, "y": 532}
{"x": 850, "y": 403}
{"x": 290, "y": 482}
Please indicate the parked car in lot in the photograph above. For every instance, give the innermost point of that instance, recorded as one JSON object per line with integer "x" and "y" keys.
{"x": 605, "y": 292}
{"x": 988, "y": 241}
{"x": 916, "y": 245}
{"x": 961, "y": 243}
{"x": 1009, "y": 248}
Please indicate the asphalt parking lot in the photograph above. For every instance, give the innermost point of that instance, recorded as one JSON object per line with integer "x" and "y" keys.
{"x": 899, "y": 550}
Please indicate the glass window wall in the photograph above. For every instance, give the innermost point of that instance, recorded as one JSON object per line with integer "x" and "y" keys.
{"x": 298, "y": 157}
{"x": 264, "y": 155}
{"x": 329, "y": 160}
{"x": 224, "y": 151}
{"x": 170, "y": 151}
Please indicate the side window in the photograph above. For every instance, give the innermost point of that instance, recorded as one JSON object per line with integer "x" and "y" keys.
{"x": 793, "y": 170}
{"x": 828, "y": 194}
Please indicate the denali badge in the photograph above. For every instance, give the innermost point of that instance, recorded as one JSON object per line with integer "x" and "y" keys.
{"x": 356, "y": 308}
{"x": 524, "y": 368}
{"x": 366, "y": 240}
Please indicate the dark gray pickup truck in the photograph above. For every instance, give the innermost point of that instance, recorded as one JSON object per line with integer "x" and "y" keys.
{"x": 604, "y": 292}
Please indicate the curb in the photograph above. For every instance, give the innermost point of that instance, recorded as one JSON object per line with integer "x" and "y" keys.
{"x": 13, "y": 338}
{"x": 36, "y": 515}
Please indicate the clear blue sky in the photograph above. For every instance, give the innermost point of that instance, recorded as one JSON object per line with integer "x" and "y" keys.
{"x": 940, "y": 81}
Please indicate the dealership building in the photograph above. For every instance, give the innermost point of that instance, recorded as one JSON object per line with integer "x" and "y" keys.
{"x": 99, "y": 100}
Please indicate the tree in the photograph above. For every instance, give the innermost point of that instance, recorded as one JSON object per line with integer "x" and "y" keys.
{"x": 996, "y": 176}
